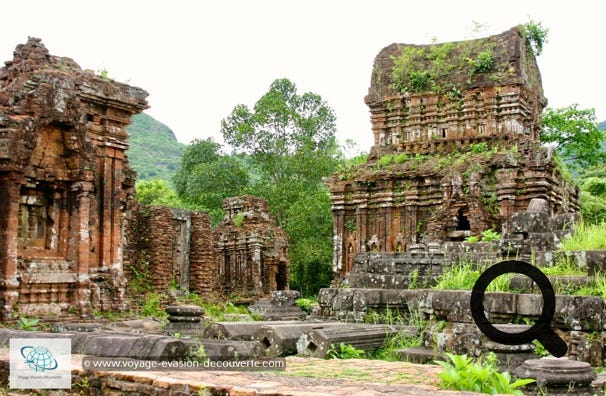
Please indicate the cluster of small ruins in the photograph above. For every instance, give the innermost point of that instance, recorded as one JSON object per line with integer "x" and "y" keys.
{"x": 447, "y": 163}
{"x": 71, "y": 232}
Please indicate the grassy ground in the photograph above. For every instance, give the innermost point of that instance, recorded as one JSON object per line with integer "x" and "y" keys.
{"x": 374, "y": 371}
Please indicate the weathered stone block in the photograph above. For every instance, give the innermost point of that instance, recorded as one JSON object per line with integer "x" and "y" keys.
{"x": 192, "y": 311}
{"x": 579, "y": 312}
{"x": 285, "y": 298}
{"x": 530, "y": 222}
{"x": 530, "y": 305}
{"x": 500, "y": 305}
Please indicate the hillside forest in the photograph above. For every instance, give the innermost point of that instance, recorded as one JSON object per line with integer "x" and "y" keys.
{"x": 282, "y": 148}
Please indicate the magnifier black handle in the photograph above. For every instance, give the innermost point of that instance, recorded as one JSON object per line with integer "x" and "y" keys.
{"x": 552, "y": 342}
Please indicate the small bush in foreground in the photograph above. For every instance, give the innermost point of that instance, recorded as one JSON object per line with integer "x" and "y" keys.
{"x": 344, "y": 351}
{"x": 463, "y": 373}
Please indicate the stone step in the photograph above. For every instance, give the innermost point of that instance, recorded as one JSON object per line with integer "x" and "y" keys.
{"x": 389, "y": 281}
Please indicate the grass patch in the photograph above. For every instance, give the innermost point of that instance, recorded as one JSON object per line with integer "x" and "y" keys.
{"x": 586, "y": 237}
{"x": 596, "y": 288}
{"x": 563, "y": 266}
{"x": 464, "y": 275}
{"x": 374, "y": 371}
{"x": 461, "y": 276}
{"x": 392, "y": 344}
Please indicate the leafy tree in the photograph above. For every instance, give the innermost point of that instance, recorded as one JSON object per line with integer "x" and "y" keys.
{"x": 592, "y": 182}
{"x": 574, "y": 134}
{"x": 290, "y": 139}
{"x": 207, "y": 177}
{"x": 156, "y": 192}
{"x": 309, "y": 227}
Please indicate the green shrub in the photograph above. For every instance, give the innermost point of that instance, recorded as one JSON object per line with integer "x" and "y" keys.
{"x": 199, "y": 354}
{"x": 593, "y": 209}
{"x": 539, "y": 349}
{"x": 305, "y": 304}
{"x": 478, "y": 148}
{"x": 596, "y": 186}
{"x": 345, "y": 351}
{"x": 239, "y": 219}
{"x": 463, "y": 373}
{"x": 385, "y": 160}
{"x": 490, "y": 235}
{"x": 472, "y": 239}
{"x": 535, "y": 35}
{"x": 483, "y": 63}
{"x": 28, "y": 324}
{"x": 153, "y": 306}
{"x": 400, "y": 158}
{"x": 420, "y": 80}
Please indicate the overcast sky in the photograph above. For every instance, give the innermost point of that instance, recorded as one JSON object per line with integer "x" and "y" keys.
{"x": 198, "y": 59}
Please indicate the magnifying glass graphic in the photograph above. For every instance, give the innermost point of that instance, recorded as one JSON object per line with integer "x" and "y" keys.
{"x": 541, "y": 330}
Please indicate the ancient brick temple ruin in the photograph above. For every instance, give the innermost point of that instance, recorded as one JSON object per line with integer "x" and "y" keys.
{"x": 456, "y": 148}
{"x": 253, "y": 250}
{"x": 65, "y": 185}
{"x": 178, "y": 251}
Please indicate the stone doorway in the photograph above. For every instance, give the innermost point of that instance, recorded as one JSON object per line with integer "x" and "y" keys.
{"x": 282, "y": 276}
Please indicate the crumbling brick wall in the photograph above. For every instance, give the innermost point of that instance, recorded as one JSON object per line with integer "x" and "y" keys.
{"x": 172, "y": 251}
{"x": 204, "y": 268}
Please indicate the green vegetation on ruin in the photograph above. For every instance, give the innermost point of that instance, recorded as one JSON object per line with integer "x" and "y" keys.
{"x": 449, "y": 68}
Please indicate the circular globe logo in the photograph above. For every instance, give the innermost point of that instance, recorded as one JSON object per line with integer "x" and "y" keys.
{"x": 39, "y": 358}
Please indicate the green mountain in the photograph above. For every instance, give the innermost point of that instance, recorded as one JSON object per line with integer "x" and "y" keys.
{"x": 154, "y": 151}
